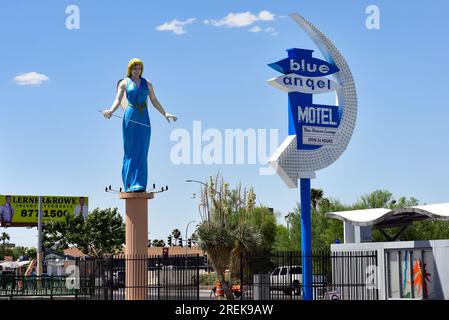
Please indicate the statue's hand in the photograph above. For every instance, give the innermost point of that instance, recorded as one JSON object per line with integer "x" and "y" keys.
{"x": 169, "y": 116}
{"x": 107, "y": 113}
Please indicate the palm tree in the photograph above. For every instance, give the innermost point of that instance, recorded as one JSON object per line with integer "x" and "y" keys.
{"x": 3, "y": 238}
{"x": 194, "y": 237}
{"x": 176, "y": 234}
{"x": 316, "y": 196}
{"x": 158, "y": 243}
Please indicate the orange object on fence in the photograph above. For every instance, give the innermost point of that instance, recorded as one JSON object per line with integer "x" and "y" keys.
{"x": 20, "y": 284}
{"x": 30, "y": 267}
{"x": 219, "y": 292}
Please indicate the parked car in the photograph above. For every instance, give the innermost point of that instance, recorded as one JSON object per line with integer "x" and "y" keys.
{"x": 289, "y": 279}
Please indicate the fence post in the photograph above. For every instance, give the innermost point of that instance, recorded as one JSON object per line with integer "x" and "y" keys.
{"x": 241, "y": 275}
{"x": 111, "y": 277}
{"x": 197, "y": 277}
{"x": 158, "y": 268}
{"x": 377, "y": 277}
{"x": 290, "y": 262}
{"x": 51, "y": 287}
{"x": 12, "y": 285}
{"x": 79, "y": 274}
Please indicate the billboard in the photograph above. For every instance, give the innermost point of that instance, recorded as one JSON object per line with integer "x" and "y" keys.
{"x": 19, "y": 211}
{"x": 318, "y": 133}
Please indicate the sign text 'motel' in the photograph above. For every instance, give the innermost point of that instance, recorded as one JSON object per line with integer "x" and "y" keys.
{"x": 315, "y": 125}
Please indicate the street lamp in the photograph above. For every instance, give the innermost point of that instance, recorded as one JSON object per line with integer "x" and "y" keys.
{"x": 197, "y": 181}
{"x": 204, "y": 184}
{"x": 288, "y": 218}
{"x": 187, "y": 228}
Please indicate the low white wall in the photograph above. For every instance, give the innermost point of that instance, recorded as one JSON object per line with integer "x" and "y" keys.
{"x": 440, "y": 263}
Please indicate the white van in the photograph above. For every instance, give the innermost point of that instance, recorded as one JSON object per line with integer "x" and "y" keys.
{"x": 289, "y": 279}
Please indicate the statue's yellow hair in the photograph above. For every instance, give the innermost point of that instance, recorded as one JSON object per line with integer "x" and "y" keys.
{"x": 131, "y": 63}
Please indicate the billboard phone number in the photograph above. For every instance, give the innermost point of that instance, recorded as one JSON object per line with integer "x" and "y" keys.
{"x": 46, "y": 213}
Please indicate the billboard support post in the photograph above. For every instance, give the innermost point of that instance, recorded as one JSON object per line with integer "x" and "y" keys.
{"x": 39, "y": 255}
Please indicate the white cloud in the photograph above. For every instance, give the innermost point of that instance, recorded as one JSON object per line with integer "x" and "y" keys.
{"x": 242, "y": 19}
{"x": 265, "y": 15}
{"x": 175, "y": 25}
{"x": 30, "y": 79}
{"x": 271, "y": 31}
{"x": 235, "y": 20}
{"x": 255, "y": 29}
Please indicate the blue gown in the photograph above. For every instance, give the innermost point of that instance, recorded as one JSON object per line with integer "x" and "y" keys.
{"x": 136, "y": 137}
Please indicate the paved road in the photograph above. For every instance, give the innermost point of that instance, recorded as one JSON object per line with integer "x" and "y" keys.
{"x": 204, "y": 294}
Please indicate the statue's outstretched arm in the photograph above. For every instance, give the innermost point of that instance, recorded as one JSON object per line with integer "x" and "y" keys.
{"x": 118, "y": 99}
{"x": 156, "y": 104}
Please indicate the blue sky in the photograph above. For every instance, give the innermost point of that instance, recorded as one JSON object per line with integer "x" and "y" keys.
{"x": 55, "y": 142}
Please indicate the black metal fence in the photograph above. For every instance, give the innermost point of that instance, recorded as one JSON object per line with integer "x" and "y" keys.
{"x": 262, "y": 276}
{"x": 163, "y": 278}
{"x": 336, "y": 275}
{"x": 13, "y": 286}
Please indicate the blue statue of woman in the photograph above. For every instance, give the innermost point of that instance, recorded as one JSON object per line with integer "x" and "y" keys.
{"x": 136, "y": 125}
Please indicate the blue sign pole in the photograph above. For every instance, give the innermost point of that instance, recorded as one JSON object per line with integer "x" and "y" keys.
{"x": 306, "y": 238}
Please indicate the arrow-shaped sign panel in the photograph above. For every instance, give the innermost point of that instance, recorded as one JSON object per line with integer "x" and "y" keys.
{"x": 295, "y": 83}
{"x": 305, "y": 65}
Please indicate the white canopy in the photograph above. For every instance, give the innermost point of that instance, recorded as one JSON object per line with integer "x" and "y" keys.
{"x": 390, "y": 218}
{"x": 13, "y": 264}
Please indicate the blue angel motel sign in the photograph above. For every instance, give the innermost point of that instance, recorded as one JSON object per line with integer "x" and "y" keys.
{"x": 314, "y": 125}
{"x": 318, "y": 134}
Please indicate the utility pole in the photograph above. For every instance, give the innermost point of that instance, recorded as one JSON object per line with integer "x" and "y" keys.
{"x": 39, "y": 255}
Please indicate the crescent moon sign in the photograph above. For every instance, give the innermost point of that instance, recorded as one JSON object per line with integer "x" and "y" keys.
{"x": 291, "y": 163}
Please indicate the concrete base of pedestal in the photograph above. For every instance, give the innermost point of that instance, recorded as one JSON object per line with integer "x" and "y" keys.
{"x": 136, "y": 254}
